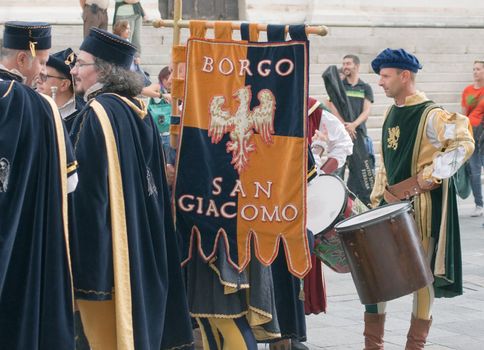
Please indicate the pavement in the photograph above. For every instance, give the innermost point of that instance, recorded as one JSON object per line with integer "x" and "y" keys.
{"x": 458, "y": 322}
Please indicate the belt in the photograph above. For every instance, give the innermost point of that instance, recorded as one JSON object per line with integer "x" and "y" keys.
{"x": 404, "y": 190}
{"x": 97, "y": 7}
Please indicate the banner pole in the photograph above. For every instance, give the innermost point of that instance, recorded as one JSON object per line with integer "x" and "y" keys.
{"x": 177, "y": 18}
{"x": 315, "y": 30}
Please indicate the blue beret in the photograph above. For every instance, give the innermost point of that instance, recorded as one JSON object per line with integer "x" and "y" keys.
{"x": 27, "y": 36}
{"x": 63, "y": 61}
{"x": 400, "y": 58}
{"x": 109, "y": 47}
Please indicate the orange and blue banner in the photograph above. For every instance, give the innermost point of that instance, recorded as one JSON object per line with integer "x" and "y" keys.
{"x": 242, "y": 161}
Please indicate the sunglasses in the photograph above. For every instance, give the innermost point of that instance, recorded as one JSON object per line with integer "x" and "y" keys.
{"x": 43, "y": 77}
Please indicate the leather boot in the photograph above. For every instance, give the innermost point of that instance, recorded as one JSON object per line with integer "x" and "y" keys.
{"x": 417, "y": 334}
{"x": 374, "y": 329}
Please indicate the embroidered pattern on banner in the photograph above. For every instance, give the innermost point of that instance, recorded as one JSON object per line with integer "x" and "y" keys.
{"x": 4, "y": 174}
{"x": 393, "y": 136}
{"x": 152, "y": 190}
{"x": 242, "y": 124}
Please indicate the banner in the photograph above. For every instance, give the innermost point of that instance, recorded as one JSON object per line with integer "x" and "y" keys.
{"x": 241, "y": 171}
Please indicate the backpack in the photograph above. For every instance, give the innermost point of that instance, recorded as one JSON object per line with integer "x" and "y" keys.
{"x": 161, "y": 113}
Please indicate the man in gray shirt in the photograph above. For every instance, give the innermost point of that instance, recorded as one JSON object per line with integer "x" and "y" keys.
{"x": 132, "y": 11}
{"x": 94, "y": 14}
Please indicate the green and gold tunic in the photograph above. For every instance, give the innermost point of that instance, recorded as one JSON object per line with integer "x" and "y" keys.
{"x": 415, "y": 137}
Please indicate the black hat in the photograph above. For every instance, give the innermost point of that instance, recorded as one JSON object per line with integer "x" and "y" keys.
{"x": 63, "y": 61}
{"x": 109, "y": 47}
{"x": 400, "y": 58}
{"x": 27, "y": 36}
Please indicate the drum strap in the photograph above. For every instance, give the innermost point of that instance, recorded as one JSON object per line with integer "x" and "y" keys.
{"x": 405, "y": 189}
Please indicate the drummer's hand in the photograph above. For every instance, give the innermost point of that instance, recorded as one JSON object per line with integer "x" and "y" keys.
{"x": 319, "y": 143}
{"x": 424, "y": 184}
{"x": 351, "y": 129}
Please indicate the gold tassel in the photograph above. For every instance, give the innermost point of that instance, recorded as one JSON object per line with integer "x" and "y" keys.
{"x": 32, "y": 47}
{"x": 69, "y": 59}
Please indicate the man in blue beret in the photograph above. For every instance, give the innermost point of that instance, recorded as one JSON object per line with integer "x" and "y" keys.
{"x": 37, "y": 170}
{"x": 127, "y": 277}
{"x": 423, "y": 145}
{"x": 58, "y": 83}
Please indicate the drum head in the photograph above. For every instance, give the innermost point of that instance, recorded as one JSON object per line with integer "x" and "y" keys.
{"x": 326, "y": 200}
{"x": 374, "y": 215}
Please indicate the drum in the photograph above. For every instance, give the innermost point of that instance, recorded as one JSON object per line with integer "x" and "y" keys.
{"x": 384, "y": 251}
{"x": 328, "y": 202}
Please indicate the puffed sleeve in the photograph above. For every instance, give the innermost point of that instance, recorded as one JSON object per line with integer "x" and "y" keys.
{"x": 451, "y": 135}
{"x": 339, "y": 144}
{"x": 379, "y": 185}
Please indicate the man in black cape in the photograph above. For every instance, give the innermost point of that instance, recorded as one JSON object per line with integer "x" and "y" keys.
{"x": 57, "y": 82}
{"x": 127, "y": 277}
{"x": 37, "y": 170}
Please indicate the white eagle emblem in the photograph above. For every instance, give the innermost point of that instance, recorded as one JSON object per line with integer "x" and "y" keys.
{"x": 242, "y": 123}
{"x": 4, "y": 174}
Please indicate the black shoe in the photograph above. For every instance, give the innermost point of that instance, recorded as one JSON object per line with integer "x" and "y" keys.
{"x": 297, "y": 345}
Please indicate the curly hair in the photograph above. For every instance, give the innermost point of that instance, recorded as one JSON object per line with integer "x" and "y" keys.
{"x": 117, "y": 79}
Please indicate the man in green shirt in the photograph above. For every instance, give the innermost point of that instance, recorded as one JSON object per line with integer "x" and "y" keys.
{"x": 360, "y": 98}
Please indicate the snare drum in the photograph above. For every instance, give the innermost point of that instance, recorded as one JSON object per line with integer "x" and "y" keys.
{"x": 328, "y": 202}
{"x": 384, "y": 251}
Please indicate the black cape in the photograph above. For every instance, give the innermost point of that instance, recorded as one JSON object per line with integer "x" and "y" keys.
{"x": 360, "y": 163}
{"x": 36, "y": 308}
{"x": 159, "y": 316}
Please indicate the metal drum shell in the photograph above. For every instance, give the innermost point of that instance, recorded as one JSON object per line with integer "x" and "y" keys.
{"x": 385, "y": 256}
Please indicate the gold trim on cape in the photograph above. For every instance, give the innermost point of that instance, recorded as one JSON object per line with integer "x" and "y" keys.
{"x": 122, "y": 280}
{"x": 61, "y": 148}
{"x": 141, "y": 111}
{"x": 71, "y": 167}
{"x": 439, "y": 267}
{"x": 423, "y": 202}
{"x": 9, "y": 89}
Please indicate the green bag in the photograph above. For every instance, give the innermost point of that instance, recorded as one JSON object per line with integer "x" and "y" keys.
{"x": 462, "y": 181}
{"x": 161, "y": 113}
